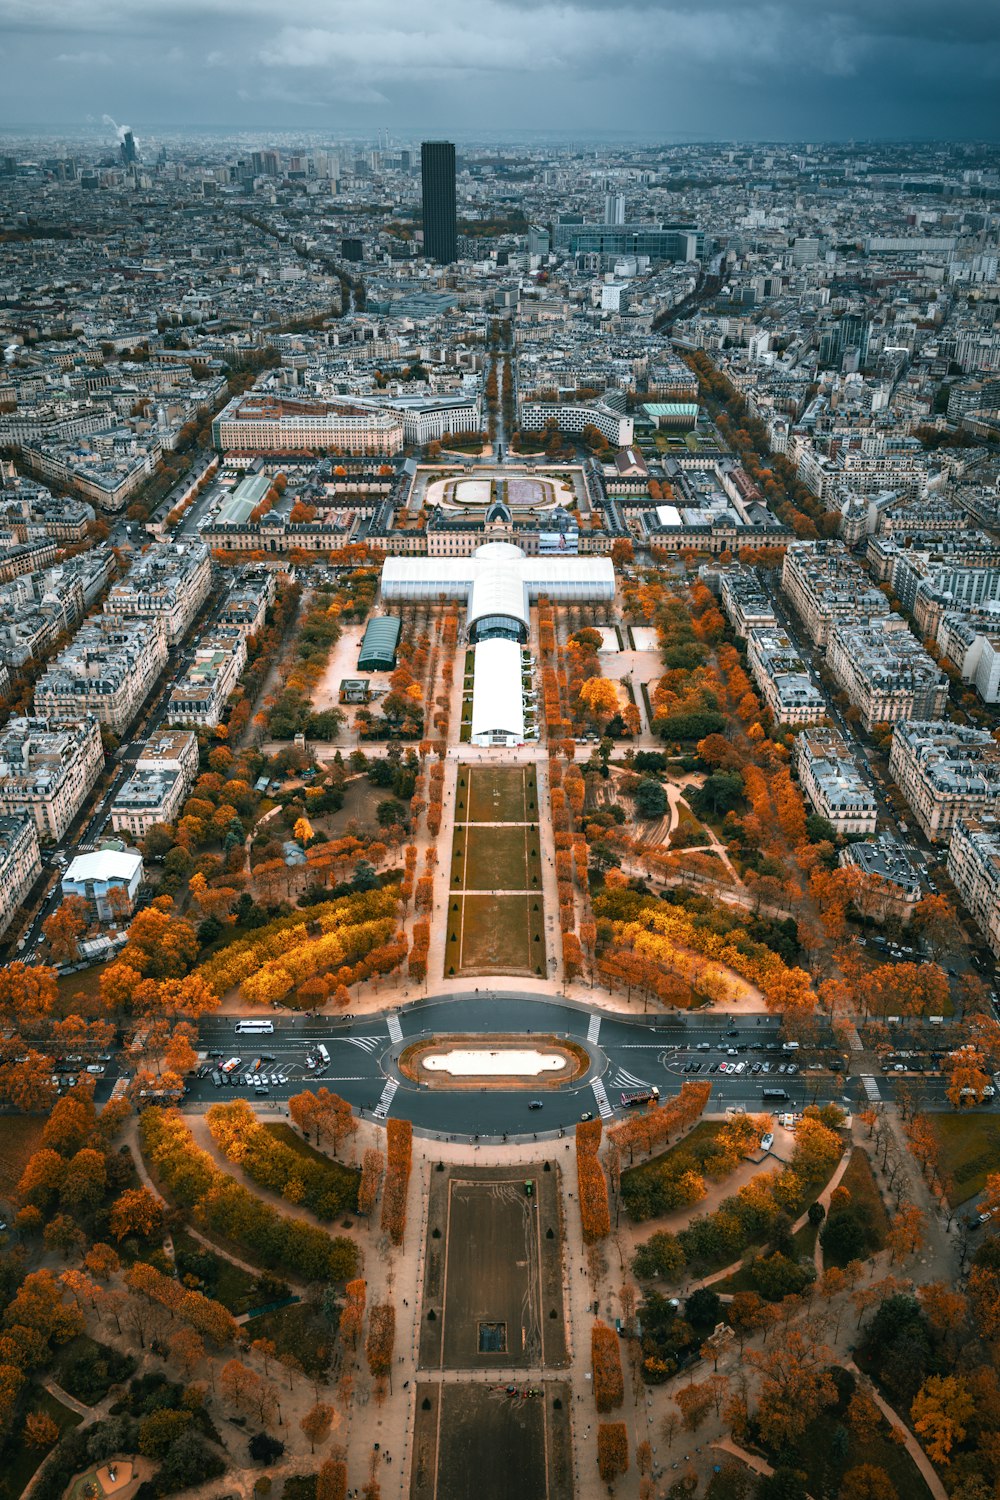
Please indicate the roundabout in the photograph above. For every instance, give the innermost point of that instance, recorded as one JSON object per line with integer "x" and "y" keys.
{"x": 377, "y": 1062}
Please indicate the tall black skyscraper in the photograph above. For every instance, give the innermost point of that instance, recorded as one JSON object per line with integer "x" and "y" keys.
{"x": 129, "y": 153}
{"x": 437, "y": 174}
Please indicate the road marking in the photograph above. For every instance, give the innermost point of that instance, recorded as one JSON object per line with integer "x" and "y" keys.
{"x": 388, "y": 1093}
{"x": 624, "y": 1079}
{"x": 395, "y": 1029}
{"x": 594, "y": 1029}
{"x": 600, "y": 1094}
{"x": 366, "y": 1043}
{"x": 871, "y": 1088}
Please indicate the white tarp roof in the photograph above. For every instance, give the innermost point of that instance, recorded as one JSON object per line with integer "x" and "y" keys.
{"x": 104, "y": 865}
{"x": 497, "y": 701}
{"x": 559, "y": 577}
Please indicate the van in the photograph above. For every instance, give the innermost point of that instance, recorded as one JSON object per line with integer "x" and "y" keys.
{"x": 789, "y": 1046}
{"x": 217, "y": 1080}
{"x": 322, "y": 1053}
{"x": 704, "y": 1047}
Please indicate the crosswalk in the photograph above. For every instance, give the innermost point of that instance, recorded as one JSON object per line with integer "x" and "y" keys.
{"x": 395, "y": 1029}
{"x": 600, "y": 1094}
{"x": 594, "y": 1029}
{"x": 366, "y": 1043}
{"x": 388, "y": 1094}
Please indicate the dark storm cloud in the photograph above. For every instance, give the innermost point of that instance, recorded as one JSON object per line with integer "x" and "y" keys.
{"x": 722, "y": 68}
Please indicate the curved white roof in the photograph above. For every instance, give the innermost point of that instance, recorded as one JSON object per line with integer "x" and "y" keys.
{"x": 497, "y": 700}
{"x": 499, "y": 587}
{"x": 508, "y": 579}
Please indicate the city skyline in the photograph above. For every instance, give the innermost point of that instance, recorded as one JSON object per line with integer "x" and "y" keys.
{"x": 885, "y": 71}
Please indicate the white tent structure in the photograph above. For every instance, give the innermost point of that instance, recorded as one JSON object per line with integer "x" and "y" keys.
{"x": 499, "y": 584}
{"x": 497, "y": 698}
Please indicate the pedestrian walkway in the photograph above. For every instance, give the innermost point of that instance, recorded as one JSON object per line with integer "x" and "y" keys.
{"x": 927, "y": 1470}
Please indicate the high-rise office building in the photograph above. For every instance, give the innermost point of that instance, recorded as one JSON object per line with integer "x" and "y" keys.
{"x": 437, "y": 175}
{"x": 614, "y": 208}
{"x": 129, "y": 153}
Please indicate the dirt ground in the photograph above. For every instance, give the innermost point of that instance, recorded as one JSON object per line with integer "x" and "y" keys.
{"x": 493, "y": 1261}
{"x": 462, "y": 1430}
{"x": 496, "y": 858}
{"x": 497, "y": 794}
{"x": 495, "y": 935}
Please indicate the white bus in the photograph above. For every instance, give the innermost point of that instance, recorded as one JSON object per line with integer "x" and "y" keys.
{"x": 249, "y": 1027}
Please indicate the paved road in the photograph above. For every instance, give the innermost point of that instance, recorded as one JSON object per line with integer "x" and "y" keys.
{"x": 626, "y": 1053}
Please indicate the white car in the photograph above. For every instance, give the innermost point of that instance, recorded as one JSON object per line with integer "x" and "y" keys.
{"x": 723, "y": 1067}
{"x": 766, "y": 1142}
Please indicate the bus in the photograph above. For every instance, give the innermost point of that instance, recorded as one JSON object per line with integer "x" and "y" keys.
{"x": 640, "y": 1096}
{"x": 774, "y": 1093}
{"x": 250, "y": 1027}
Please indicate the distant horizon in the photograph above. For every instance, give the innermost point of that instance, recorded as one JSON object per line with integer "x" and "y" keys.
{"x": 513, "y": 137}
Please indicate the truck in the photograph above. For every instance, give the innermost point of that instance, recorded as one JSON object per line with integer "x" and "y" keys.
{"x": 640, "y": 1096}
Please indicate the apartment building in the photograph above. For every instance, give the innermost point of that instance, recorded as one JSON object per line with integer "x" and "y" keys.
{"x": 263, "y": 423}
{"x": 201, "y": 697}
{"x": 744, "y": 601}
{"x": 832, "y": 781}
{"x": 246, "y": 602}
{"x": 826, "y": 587}
{"x": 169, "y": 582}
{"x": 945, "y": 589}
{"x": 164, "y": 774}
{"x": 945, "y": 771}
{"x": 571, "y": 420}
{"x": 885, "y": 672}
{"x": 107, "y": 670}
{"x": 782, "y": 677}
{"x": 887, "y": 861}
{"x": 974, "y": 868}
{"x": 47, "y": 769}
{"x": 20, "y": 863}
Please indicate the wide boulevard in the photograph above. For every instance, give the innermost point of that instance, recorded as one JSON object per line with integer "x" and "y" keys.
{"x": 626, "y": 1052}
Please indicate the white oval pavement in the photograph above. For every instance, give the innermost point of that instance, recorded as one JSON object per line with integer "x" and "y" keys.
{"x": 465, "y": 1063}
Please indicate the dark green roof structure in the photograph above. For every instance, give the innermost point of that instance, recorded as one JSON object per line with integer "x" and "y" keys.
{"x": 378, "y": 649}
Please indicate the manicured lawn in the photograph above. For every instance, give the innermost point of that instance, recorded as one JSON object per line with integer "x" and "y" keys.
{"x": 824, "y": 1471}
{"x": 970, "y": 1151}
{"x": 495, "y": 935}
{"x": 18, "y": 1462}
{"x": 506, "y": 859}
{"x": 861, "y": 1185}
{"x": 693, "y": 1143}
{"x": 20, "y": 1138}
{"x": 299, "y": 1330}
{"x": 86, "y": 983}
{"x": 219, "y": 1278}
{"x": 804, "y": 1240}
{"x": 343, "y": 1180}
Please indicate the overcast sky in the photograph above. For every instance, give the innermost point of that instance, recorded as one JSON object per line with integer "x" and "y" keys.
{"x": 719, "y": 69}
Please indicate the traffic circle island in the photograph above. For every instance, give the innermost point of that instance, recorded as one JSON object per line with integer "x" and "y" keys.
{"x": 494, "y": 1062}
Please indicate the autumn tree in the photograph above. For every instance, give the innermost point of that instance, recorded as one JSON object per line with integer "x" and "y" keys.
{"x": 40, "y": 1431}
{"x": 137, "y": 1211}
{"x": 65, "y": 927}
{"x": 940, "y": 1414}
{"x": 372, "y": 1170}
{"x": 867, "y": 1482}
{"x": 606, "y": 1364}
{"x": 612, "y": 1451}
{"x": 316, "y": 1424}
{"x": 381, "y": 1338}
